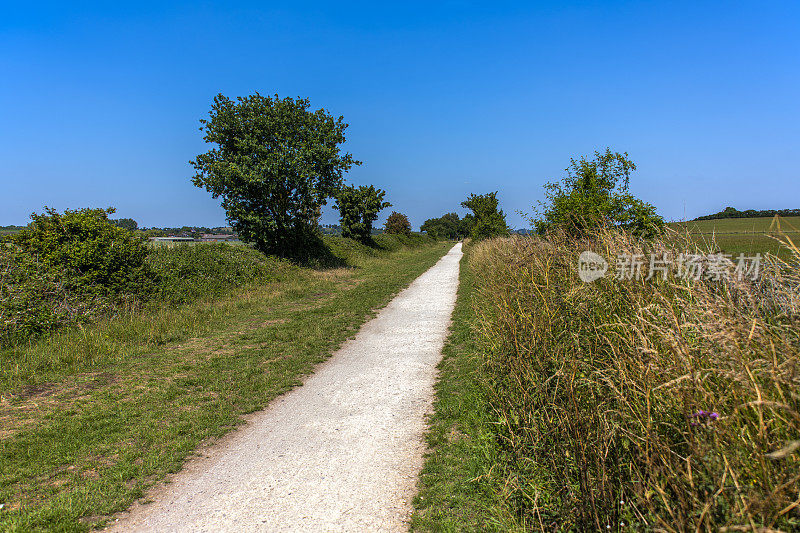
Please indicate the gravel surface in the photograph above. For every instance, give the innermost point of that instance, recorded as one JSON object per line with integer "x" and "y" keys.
{"x": 340, "y": 453}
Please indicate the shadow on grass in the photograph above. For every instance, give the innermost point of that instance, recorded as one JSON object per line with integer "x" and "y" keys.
{"x": 316, "y": 254}
{"x": 335, "y": 251}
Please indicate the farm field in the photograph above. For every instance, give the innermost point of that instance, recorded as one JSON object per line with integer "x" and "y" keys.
{"x": 94, "y": 415}
{"x": 740, "y": 235}
{"x": 739, "y": 225}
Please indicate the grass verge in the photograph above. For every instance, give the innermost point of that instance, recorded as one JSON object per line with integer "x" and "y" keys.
{"x": 457, "y": 491}
{"x": 92, "y": 416}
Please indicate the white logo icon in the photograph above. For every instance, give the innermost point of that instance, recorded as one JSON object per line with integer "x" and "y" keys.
{"x": 591, "y": 266}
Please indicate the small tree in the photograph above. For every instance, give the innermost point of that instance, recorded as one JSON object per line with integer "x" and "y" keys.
{"x": 398, "y": 223}
{"x": 595, "y": 192}
{"x": 275, "y": 165}
{"x": 448, "y": 226}
{"x": 359, "y": 208}
{"x": 486, "y": 219}
{"x": 125, "y": 223}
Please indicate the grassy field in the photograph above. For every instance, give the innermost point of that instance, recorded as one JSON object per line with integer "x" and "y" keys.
{"x": 741, "y": 235}
{"x": 92, "y": 416}
{"x": 740, "y": 225}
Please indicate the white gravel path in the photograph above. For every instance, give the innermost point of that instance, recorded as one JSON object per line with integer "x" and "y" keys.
{"x": 340, "y": 453}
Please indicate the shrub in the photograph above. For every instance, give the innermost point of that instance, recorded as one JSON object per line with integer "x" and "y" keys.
{"x": 359, "y": 208}
{"x": 486, "y": 219}
{"x": 595, "y": 193}
{"x": 662, "y": 404}
{"x": 86, "y": 251}
{"x": 66, "y": 268}
{"x": 398, "y": 223}
{"x": 34, "y": 299}
{"x": 188, "y": 272}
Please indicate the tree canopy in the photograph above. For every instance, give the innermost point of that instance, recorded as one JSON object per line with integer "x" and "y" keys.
{"x": 125, "y": 223}
{"x": 398, "y": 223}
{"x": 486, "y": 219}
{"x": 732, "y": 212}
{"x": 275, "y": 165}
{"x": 595, "y": 192}
{"x": 359, "y": 208}
{"x": 447, "y": 226}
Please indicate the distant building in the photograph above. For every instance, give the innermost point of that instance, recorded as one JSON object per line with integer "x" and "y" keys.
{"x": 218, "y": 237}
{"x": 172, "y": 238}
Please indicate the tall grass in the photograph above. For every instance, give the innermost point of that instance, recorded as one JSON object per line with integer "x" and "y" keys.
{"x": 663, "y": 404}
{"x": 186, "y": 273}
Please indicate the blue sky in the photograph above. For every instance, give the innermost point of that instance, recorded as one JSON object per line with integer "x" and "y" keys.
{"x": 100, "y": 103}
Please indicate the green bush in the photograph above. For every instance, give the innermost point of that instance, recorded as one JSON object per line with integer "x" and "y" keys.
{"x": 595, "y": 193}
{"x": 66, "y": 268}
{"x": 187, "y": 272}
{"x": 34, "y": 299}
{"x": 88, "y": 253}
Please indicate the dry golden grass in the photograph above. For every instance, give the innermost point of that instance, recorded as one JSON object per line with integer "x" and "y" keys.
{"x": 669, "y": 405}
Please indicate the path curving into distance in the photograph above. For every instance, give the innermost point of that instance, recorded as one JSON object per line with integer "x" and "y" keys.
{"x": 340, "y": 453}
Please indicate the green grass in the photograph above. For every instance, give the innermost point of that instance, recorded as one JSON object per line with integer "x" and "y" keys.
{"x": 93, "y": 416}
{"x": 741, "y": 235}
{"x": 739, "y": 225}
{"x": 457, "y": 491}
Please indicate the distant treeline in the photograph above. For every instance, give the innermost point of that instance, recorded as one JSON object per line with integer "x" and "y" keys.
{"x": 8, "y": 230}
{"x": 185, "y": 231}
{"x": 732, "y": 212}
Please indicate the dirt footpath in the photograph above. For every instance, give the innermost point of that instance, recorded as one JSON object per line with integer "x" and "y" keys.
{"x": 340, "y": 453}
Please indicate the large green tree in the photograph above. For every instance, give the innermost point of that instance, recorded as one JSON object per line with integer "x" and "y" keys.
{"x": 359, "y": 208}
{"x": 275, "y": 165}
{"x": 595, "y": 192}
{"x": 486, "y": 219}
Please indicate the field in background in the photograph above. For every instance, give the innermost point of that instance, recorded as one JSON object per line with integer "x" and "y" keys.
{"x": 741, "y": 235}
{"x": 93, "y": 415}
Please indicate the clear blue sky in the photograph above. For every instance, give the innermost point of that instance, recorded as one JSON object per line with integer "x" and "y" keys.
{"x": 99, "y": 104}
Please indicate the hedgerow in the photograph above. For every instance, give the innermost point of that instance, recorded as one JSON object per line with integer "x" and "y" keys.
{"x": 74, "y": 267}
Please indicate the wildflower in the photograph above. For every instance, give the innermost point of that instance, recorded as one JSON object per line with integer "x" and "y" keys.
{"x": 703, "y": 417}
